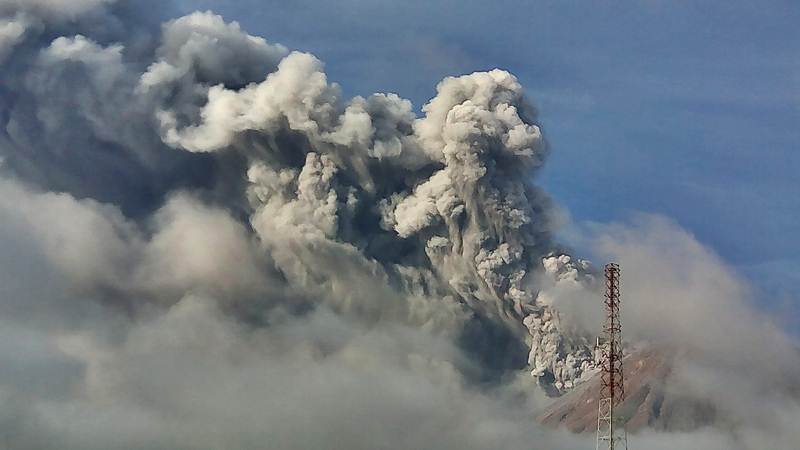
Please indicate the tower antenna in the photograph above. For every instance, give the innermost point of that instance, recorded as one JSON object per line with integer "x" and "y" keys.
{"x": 611, "y": 433}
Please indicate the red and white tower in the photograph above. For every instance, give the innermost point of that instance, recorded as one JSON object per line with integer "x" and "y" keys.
{"x": 611, "y": 433}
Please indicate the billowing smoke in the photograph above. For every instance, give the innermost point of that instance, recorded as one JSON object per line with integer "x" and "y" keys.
{"x": 207, "y": 246}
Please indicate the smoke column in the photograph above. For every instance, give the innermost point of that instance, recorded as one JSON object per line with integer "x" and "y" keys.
{"x": 207, "y": 246}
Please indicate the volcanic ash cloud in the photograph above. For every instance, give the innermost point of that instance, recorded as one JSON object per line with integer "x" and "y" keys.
{"x": 204, "y": 212}
{"x": 209, "y": 247}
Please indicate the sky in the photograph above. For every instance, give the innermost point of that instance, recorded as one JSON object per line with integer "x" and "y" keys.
{"x": 685, "y": 109}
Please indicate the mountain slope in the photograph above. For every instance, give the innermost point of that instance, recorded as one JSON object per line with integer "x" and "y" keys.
{"x": 648, "y": 400}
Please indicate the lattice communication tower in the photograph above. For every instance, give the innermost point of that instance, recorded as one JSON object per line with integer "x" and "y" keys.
{"x": 611, "y": 433}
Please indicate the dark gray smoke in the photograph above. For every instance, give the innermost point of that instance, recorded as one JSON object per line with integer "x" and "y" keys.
{"x": 206, "y": 246}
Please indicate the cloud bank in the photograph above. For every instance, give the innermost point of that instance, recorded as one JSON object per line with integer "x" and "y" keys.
{"x": 207, "y": 246}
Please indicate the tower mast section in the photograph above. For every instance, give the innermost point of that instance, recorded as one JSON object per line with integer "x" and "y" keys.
{"x": 611, "y": 433}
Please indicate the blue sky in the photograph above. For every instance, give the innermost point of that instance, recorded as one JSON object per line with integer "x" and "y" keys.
{"x": 686, "y": 109}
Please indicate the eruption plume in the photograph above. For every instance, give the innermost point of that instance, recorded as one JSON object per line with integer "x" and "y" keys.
{"x": 209, "y": 247}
